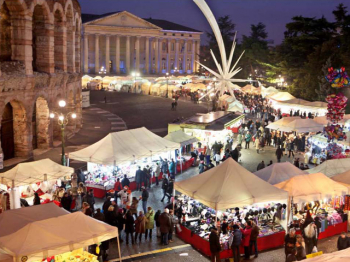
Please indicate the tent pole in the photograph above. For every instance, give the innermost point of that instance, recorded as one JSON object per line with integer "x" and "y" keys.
{"x": 120, "y": 255}
{"x": 181, "y": 159}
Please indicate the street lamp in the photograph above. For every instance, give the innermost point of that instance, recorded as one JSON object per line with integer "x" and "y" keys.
{"x": 63, "y": 119}
{"x": 167, "y": 84}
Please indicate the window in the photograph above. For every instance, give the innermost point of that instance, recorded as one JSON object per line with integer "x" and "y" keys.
{"x": 182, "y": 34}
{"x": 165, "y": 33}
{"x": 163, "y": 46}
{"x": 173, "y": 34}
{"x": 189, "y": 47}
{"x": 190, "y": 35}
{"x": 172, "y": 46}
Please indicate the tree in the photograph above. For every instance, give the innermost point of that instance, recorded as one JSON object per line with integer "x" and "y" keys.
{"x": 324, "y": 86}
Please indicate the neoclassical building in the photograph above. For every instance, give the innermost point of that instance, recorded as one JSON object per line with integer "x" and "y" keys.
{"x": 123, "y": 43}
{"x": 39, "y": 65}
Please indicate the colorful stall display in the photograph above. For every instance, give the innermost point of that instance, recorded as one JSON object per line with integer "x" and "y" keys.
{"x": 338, "y": 77}
{"x": 336, "y": 107}
{"x": 334, "y": 132}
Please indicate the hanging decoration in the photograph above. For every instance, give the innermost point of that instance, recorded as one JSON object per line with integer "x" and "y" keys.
{"x": 333, "y": 149}
{"x": 334, "y": 132}
{"x": 338, "y": 77}
{"x": 336, "y": 107}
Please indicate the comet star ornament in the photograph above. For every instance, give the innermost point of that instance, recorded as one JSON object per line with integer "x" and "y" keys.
{"x": 224, "y": 77}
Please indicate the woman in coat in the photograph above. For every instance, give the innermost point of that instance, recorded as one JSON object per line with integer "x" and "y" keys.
{"x": 133, "y": 207}
{"x": 246, "y": 238}
{"x": 140, "y": 226}
{"x": 129, "y": 227}
{"x": 149, "y": 222}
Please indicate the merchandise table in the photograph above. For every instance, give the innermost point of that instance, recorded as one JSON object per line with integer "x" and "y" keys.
{"x": 264, "y": 243}
{"x": 185, "y": 165}
{"x": 331, "y": 230}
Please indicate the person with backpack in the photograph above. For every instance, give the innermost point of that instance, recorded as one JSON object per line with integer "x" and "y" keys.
{"x": 235, "y": 242}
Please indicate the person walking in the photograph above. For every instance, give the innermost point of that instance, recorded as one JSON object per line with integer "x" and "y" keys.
{"x": 171, "y": 230}
{"x": 217, "y": 158}
{"x": 106, "y": 204}
{"x": 214, "y": 243}
{"x": 172, "y": 168}
{"x": 290, "y": 147}
{"x": 289, "y": 242}
{"x": 164, "y": 222}
{"x": 149, "y": 222}
{"x": 138, "y": 178}
{"x": 129, "y": 227}
{"x": 235, "y": 242}
{"x": 165, "y": 185}
{"x": 253, "y": 239}
{"x": 246, "y": 232}
{"x": 90, "y": 199}
{"x": 156, "y": 219}
{"x": 140, "y": 226}
{"x": 157, "y": 173}
{"x": 170, "y": 189}
{"x": 257, "y": 144}
{"x": 120, "y": 223}
{"x": 279, "y": 154}
{"x": 133, "y": 207}
{"x": 144, "y": 198}
{"x": 248, "y": 137}
{"x": 165, "y": 167}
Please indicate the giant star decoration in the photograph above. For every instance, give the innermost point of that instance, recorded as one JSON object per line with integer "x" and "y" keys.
{"x": 224, "y": 77}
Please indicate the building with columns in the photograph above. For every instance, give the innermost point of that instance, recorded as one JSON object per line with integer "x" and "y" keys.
{"x": 123, "y": 43}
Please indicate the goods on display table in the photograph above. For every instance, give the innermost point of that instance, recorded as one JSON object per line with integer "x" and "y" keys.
{"x": 78, "y": 255}
{"x": 197, "y": 221}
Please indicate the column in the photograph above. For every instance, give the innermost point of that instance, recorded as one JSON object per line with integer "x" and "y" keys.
{"x": 169, "y": 56}
{"x": 160, "y": 56}
{"x": 156, "y": 60}
{"x": 184, "y": 62}
{"x": 177, "y": 54}
{"x": 117, "y": 54}
{"x": 127, "y": 55}
{"x": 86, "y": 53}
{"x": 193, "y": 56}
{"x": 198, "y": 51}
{"x": 137, "y": 47}
{"x": 97, "y": 54}
{"x": 147, "y": 55}
{"x": 107, "y": 54}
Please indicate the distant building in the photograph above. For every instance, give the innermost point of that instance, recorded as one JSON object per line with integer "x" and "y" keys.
{"x": 122, "y": 43}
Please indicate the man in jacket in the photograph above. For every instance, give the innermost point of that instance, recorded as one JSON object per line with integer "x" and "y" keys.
{"x": 253, "y": 239}
{"x": 215, "y": 246}
{"x": 144, "y": 198}
{"x": 236, "y": 239}
{"x": 125, "y": 181}
{"x": 165, "y": 185}
{"x": 138, "y": 178}
{"x": 165, "y": 224}
{"x": 279, "y": 154}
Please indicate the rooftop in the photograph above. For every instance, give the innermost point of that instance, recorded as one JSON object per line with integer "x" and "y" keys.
{"x": 164, "y": 24}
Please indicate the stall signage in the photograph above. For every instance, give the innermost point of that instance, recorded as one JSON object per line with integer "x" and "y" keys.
{"x": 85, "y": 97}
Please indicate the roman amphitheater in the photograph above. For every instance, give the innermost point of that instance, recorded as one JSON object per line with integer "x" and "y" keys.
{"x": 40, "y": 65}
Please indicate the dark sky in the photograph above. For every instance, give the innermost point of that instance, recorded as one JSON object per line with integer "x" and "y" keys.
{"x": 273, "y": 13}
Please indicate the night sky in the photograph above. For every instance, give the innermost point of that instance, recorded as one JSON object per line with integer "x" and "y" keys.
{"x": 273, "y": 13}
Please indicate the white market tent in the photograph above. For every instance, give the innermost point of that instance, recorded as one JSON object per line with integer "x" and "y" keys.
{"x": 324, "y": 121}
{"x": 305, "y": 126}
{"x": 338, "y": 256}
{"x": 312, "y": 187}
{"x": 251, "y": 89}
{"x": 34, "y": 172}
{"x": 181, "y": 137}
{"x": 54, "y": 236}
{"x": 125, "y": 147}
{"x": 279, "y": 172}
{"x": 282, "y": 124}
{"x": 235, "y": 106}
{"x": 343, "y": 178}
{"x": 332, "y": 167}
{"x": 281, "y": 96}
{"x": 229, "y": 185}
{"x": 268, "y": 91}
{"x": 195, "y": 86}
{"x": 15, "y": 219}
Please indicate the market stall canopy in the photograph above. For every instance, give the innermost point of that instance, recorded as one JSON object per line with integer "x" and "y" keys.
{"x": 269, "y": 91}
{"x": 279, "y": 172}
{"x": 229, "y": 185}
{"x": 281, "y": 96}
{"x": 124, "y": 147}
{"x": 312, "y": 187}
{"x": 332, "y": 167}
{"x": 338, "y": 256}
{"x": 251, "y": 89}
{"x": 343, "y": 178}
{"x": 54, "y": 236}
{"x": 195, "y": 86}
{"x": 324, "y": 121}
{"x": 305, "y": 126}
{"x": 181, "y": 137}
{"x": 282, "y": 124}
{"x": 15, "y": 219}
{"x": 235, "y": 106}
{"x": 34, "y": 172}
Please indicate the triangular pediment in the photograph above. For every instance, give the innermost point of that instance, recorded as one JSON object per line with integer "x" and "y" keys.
{"x": 123, "y": 19}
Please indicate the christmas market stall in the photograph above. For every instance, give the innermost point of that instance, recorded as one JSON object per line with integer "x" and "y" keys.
{"x": 230, "y": 194}
{"x": 325, "y": 199}
{"x": 47, "y": 233}
{"x": 122, "y": 153}
{"x": 42, "y": 176}
{"x": 332, "y": 167}
{"x": 186, "y": 143}
{"x": 210, "y": 128}
{"x": 279, "y": 172}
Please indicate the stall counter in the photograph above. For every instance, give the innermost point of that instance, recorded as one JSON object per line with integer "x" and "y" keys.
{"x": 331, "y": 230}
{"x": 264, "y": 243}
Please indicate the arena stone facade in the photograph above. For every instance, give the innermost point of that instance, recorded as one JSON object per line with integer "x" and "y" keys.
{"x": 39, "y": 65}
